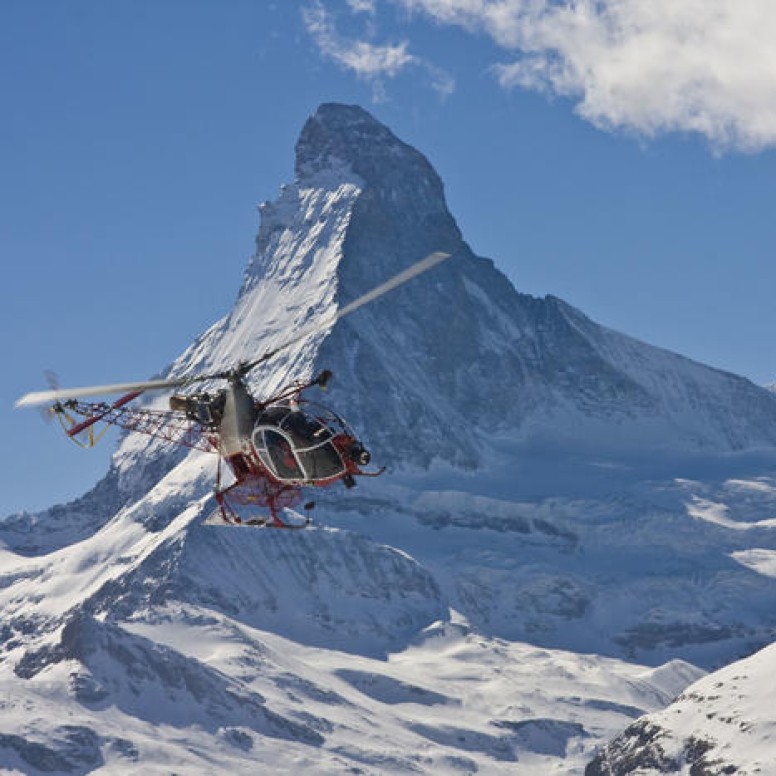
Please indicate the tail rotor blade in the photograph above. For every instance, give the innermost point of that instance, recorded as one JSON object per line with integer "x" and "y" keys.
{"x": 52, "y": 379}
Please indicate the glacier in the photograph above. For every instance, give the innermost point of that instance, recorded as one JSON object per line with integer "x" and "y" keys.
{"x": 575, "y": 525}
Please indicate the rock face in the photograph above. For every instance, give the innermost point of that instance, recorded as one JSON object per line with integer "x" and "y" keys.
{"x": 552, "y": 482}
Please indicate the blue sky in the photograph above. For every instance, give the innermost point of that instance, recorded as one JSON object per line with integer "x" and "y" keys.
{"x": 618, "y": 155}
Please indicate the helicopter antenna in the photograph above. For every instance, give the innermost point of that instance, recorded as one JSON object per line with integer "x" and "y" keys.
{"x": 63, "y": 394}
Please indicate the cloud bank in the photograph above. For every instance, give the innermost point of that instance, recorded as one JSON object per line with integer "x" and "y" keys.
{"x": 644, "y": 66}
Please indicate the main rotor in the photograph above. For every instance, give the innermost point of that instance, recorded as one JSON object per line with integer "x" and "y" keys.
{"x": 235, "y": 374}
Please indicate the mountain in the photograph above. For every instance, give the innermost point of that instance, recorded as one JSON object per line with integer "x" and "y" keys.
{"x": 433, "y": 372}
{"x": 570, "y": 532}
{"x": 472, "y": 357}
{"x": 722, "y": 724}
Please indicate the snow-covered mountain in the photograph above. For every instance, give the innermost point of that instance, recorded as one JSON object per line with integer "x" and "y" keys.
{"x": 440, "y": 367}
{"x": 722, "y": 724}
{"x": 557, "y": 492}
{"x": 460, "y": 355}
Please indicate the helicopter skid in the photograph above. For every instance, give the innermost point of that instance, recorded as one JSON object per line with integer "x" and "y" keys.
{"x": 224, "y": 516}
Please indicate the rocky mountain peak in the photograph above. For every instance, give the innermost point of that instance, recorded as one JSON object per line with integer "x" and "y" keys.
{"x": 399, "y": 183}
{"x": 348, "y": 133}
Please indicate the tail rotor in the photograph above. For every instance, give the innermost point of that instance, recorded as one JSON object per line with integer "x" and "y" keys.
{"x": 52, "y": 380}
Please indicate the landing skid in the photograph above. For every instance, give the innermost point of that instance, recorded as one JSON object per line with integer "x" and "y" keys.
{"x": 239, "y": 504}
{"x": 287, "y": 518}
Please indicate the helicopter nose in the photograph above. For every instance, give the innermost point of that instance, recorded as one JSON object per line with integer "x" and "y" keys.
{"x": 360, "y": 455}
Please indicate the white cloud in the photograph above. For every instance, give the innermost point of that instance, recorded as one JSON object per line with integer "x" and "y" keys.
{"x": 362, "y": 6}
{"x": 441, "y": 81}
{"x": 363, "y": 58}
{"x": 367, "y": 60}
{"x": 648, "y": 66}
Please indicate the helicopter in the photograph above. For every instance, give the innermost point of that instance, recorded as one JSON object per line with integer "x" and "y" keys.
{"x": 273, "y": 447}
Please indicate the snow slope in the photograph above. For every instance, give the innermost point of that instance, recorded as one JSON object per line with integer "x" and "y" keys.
{"x": 722, "y": 724}
{"x": 572, "y": 522}
{"x": 206, "y": 650}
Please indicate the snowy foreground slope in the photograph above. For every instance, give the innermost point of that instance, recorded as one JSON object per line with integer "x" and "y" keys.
{"x": 202, "y": 650}
{"x": 575, "y": 526}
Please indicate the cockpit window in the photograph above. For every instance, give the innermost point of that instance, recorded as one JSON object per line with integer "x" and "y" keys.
{"x": 296, "y": 446}
{"x": 322, "y": 462}
{"x": 305, "y": 430}
{"x": 281, "y": 455}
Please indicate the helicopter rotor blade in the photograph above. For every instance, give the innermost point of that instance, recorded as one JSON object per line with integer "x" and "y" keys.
{"x": 389, "y": 285}
{"x": 62, "y": 394}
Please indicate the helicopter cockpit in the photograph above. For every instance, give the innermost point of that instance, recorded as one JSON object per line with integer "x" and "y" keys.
{"x": 298, "y": 446}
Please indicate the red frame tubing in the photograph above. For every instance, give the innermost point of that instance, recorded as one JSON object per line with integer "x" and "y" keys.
{"x": 263, "y": 492}
{"x": 167, "y": 425}
{"x": 84, "y": 424}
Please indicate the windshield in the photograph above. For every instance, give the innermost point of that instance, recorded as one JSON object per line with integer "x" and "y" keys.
{"x": 296, "y": 446}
